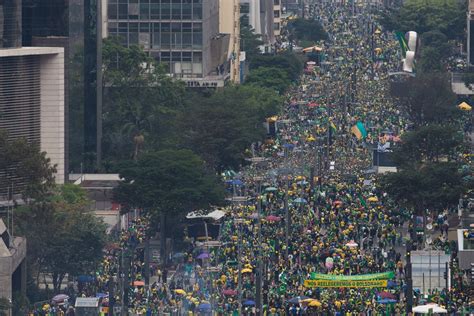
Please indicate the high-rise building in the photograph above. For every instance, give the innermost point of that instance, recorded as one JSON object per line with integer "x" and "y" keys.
{"x": 73, "y": 25}
{"x": 31, "y": 93}
{"x": 276, "y": 17}
{"x": 259, "y": 14}
{"x": 183, "y": 34}
{"x": 229, "y": 23}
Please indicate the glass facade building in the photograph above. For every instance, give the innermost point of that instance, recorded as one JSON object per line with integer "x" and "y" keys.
{"x": 177, "y": 33}
{"x": 10, "y": 23}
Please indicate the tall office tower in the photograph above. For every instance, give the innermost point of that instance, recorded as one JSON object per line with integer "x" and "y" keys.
{"x": 73, "y": 25}
{"x": 31, "y": 94}
{"x": 182, "y": 34}
{"x": 229, "y": 23}
{"x": 470, "y": 29}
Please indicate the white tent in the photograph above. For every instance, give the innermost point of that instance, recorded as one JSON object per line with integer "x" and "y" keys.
{"x": 425, "y": 309}
{"x": 214, "y": 215}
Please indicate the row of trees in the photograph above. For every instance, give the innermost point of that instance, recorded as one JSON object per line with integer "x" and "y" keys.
{"x": 63, "y": 235}
{"x": 431, "y": 170}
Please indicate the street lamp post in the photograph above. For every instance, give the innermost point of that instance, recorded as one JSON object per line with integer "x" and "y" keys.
{"x": 409, "y": 280}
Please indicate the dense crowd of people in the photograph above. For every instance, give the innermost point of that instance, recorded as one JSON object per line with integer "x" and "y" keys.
{"x": 315, "y": 206}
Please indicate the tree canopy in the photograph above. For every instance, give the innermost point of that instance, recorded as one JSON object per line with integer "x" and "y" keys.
{"x": 307, "y": 30}
{"x": 64, "y": 236}
{"x": 445, "y": 16}
{"x": 172, "y": 182}
{"x": 21, "y": 160}
{"x": 140, "y": 100}
{"x": 219, "y": 128}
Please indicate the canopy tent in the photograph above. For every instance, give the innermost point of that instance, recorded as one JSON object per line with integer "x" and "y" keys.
{"x": 429, "y": 308}
{"x": 312, "y": 49}
{"x": 214, "y": 215}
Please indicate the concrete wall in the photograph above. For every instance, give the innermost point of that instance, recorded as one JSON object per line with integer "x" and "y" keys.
{"x": 9, "y": 262}
{"x": 210, "y": 28}
{"x": 52, "y": 110}
{"x": 52, "y": 101}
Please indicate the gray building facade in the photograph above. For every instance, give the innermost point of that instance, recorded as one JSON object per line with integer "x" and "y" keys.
{"x": 182, "y": 34}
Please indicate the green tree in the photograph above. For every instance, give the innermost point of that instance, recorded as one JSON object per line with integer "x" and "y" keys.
{"x": 307, "y": 30}
{"x": 140, "y": 100}
{"x": 167, "y": 184}
{"x": 219, "y": 128}
{"x": 249, "y": 42}
{"x": 271, "y": 78}
{"x": 19, "y": 159}
{"x": 445, "y": 16}
{"x": 288, "y": 62}
{"x": 428, "y": 99}
{"x": 64, "y": 236}
{"x": 432, "y": 186}
{"x": 430, "y": 143}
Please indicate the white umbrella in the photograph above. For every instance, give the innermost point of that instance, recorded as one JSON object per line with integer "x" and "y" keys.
{"x": 352, "y": 244}
{"x": 425, "y": 309}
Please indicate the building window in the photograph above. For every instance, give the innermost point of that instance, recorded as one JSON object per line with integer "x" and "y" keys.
{"x": 187, "y": 10}
{"x": 197, "y": 9}
{"x": 197, "y": 35}
{"x": 133, "y": 34}
{"x": 144, "y": 9}
{"x": 123, "y": 11}
{"x": 276, "y": 2}
{"x": 276, "y": 26}
{"x": 187, "y": 35}
{"x": 156, "y": 36}
{"x": 245, "y": 8}
{"x": 133, "y": 11}
{"x": 112, "y": 10}
{"x": 165, "y": 9}
{"x": 176, "y": 9}
{"x": 165, "y": 35}
{"x": 176, "y": 35}
{"x": 154, "y": 9}
{"x": 276, "y": 13}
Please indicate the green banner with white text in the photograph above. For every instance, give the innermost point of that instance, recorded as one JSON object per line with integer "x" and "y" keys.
{"x": 373, "y": 276}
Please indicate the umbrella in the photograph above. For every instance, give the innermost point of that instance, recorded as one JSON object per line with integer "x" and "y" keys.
{"x": 312, "y": 104}
{"x": 425, "y": 309}
{"x": 288, "y": 146}
{"x": 60, "y": 298}
{"x": 314, "y": 303}
{"x": 139, "y": 283}
{"x": 386, "y": 301}
{"x": 180, "y": 291}
{"x": 203, "y": 255}
{"x": 464, "y": 106}
{"x": 246, "y": 270}
{"x": 248, "y": 303}
{"x": 387, "y": 295}
{"x": 373, "y": 199}
{"x": 204, "y": 307}
{"x": 101, "y": 295}
{"x": 271, "y": 189}
{"x": 273, "y": 218}
{"x": 300, "y": 200}
{"x": 229, "y": 292}
{"x": 297, "y": 299}
{"x": 352, "y": 244}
